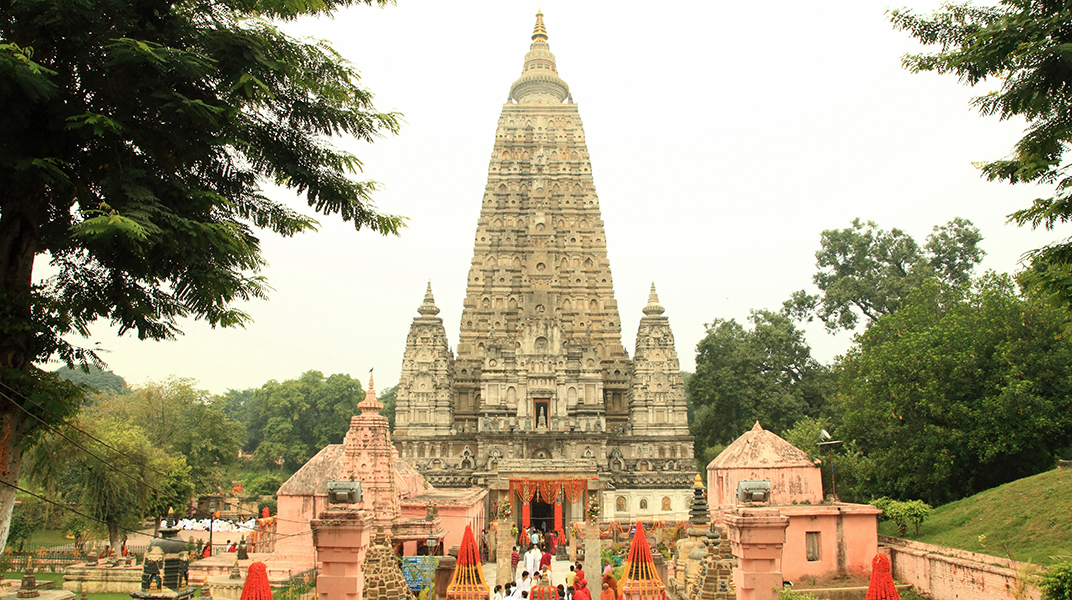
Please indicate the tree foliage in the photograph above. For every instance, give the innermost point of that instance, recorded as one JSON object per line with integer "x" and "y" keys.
{"x": 94, "y": 377}
{"x": 903, "y": 513}
{"x": 1056, "y": 582}
{"x": 134, "y": 141}
{"x": 864, "y": 270}
{"x": 1025, "y": 45}
{"x": 26, "y": 520}
{"x": 122, "y": 478}
{"x": 764, "y": 374}
{"x": 293, "y": 419}
{"x": 180, "y": 419}
{"x": 962, "y": 389}
{"x": 389, "y": 398}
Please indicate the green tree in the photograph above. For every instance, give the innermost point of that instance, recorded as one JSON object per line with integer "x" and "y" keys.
{"x": 389, "y": 398}
{"x": 26, "y": 520}
{"x": 126, "y": 478}
{"x": 95, "y": 377}
{"x": 134, "y": 141}
{"x": 765, "y": 374}
{"x": 1023, "y": 44}
{"x": 180, "y": 419}
{"x": 962, "y": 389}
{"x": 294, "y": 419}
{"x": 864, "y": 270}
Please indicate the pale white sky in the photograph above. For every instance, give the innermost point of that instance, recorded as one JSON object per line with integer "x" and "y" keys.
{"x": 724, "y": 136}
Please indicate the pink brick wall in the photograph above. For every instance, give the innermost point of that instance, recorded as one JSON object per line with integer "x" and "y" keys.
{"x": 949, "y": 574}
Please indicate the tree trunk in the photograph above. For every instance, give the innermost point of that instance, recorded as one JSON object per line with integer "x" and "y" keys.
{"x": 114, "y": 539}
{"x": 12, "y": 431}
{"x": 19, "y": 242}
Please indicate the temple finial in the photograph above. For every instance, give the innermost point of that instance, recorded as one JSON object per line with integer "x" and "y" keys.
{"x": 539, "y": 81}
{"x": 370, "y": 403}
{"x": 653, "y": 308}
{"x": 539, "y": 32}
{"x": 428, "y": 308}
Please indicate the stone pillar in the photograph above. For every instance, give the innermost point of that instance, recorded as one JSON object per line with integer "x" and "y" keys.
{"x": 756, "y": 536}
{"x": 341, "y": 537}
{"x": 444, "y": 571}
{"x": 505, "y": 543}
{"x": 592, "y": 567}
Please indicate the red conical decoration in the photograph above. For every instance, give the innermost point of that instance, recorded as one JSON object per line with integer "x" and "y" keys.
{"x": 881, "y": 586}
{"x": 256, "y": 587}
{"x": 467, "y": 583}
{"x": 640, "y": 580}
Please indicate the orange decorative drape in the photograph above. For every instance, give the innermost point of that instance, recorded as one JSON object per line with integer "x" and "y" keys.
{"x": 467, "y": 582}
{"x": 548, "y": 490}
{"x": 639, "y": 578}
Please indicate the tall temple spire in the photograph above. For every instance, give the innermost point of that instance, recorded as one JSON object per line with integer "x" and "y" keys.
{"x": 540, "y": 370}
{"x": 539, "y": 81}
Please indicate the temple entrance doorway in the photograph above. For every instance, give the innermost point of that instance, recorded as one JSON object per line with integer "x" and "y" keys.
{"x": 542, "y": 515}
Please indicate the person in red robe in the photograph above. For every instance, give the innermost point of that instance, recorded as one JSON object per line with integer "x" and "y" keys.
{"x": 581, "y": 591}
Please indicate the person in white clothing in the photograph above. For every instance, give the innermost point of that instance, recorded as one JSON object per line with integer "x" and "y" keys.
{"x": 532, "y": 559}
{"x": 525, "y": 584}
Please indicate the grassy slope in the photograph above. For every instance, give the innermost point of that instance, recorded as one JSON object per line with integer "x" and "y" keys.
{"x": 1029, "y": 519}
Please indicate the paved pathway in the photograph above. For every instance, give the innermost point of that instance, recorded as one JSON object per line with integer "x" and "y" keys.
{"x": 559, "y": 568}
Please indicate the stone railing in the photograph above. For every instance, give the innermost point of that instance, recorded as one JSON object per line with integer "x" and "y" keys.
{"x": 942, "y": 572}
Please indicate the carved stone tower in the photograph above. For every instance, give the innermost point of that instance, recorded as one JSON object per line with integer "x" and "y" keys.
{"x": 540, "y": 370}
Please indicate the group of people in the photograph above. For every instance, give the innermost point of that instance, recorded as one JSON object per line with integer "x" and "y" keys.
{"x": 536, "y": 584}
{"x": 217, "y": 525}
{"x": 540, "y": 539}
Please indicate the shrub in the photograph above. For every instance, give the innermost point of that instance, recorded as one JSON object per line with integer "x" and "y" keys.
{"x": 1056, "y": 582}
{"x": 912, "y": 512}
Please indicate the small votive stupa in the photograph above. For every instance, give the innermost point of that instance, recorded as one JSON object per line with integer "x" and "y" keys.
{"x": 165, "y": 574}
{"x": 383, "y": 576}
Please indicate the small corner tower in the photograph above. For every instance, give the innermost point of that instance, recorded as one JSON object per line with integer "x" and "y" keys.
{"x": 657, "y": 404}
{"x": 423, "y": 398}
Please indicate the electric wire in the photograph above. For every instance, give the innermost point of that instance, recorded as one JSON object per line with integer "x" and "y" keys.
{"x": 67, "y": 508}
{"x": 55, "y": 430}
{"x": 68, "y": 424}
{"x": 94, "y": 438}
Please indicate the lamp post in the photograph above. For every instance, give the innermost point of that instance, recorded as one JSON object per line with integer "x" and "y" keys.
{"x": 432, "y": 542}
{"x": 826, "y": 440}
{"x": 211, "y": 522}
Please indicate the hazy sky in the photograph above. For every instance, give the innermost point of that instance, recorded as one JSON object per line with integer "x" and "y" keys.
{"x": 724, "y": 137}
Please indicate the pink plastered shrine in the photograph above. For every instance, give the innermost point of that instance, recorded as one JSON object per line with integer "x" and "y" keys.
{"x": 824, "y": 538}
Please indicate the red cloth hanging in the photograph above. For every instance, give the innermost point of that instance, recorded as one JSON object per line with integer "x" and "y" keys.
{"x": 256, "y": 586}
{"x": 881, "y": 586}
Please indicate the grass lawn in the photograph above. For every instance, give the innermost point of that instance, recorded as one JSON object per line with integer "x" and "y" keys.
{"x": 1028, "y": 520}
{"x": 49, "y": 537}
{"x": 57, "y": 577}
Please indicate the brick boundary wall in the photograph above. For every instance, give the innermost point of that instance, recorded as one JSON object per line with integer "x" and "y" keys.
{"x": 950, "y": 574}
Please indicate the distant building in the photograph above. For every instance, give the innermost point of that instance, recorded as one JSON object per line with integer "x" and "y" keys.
{"x": 541, "y": 391}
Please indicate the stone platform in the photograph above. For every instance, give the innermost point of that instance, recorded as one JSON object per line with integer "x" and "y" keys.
{"x": 12, "y": 594}
{"x": 120, "y": 579}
